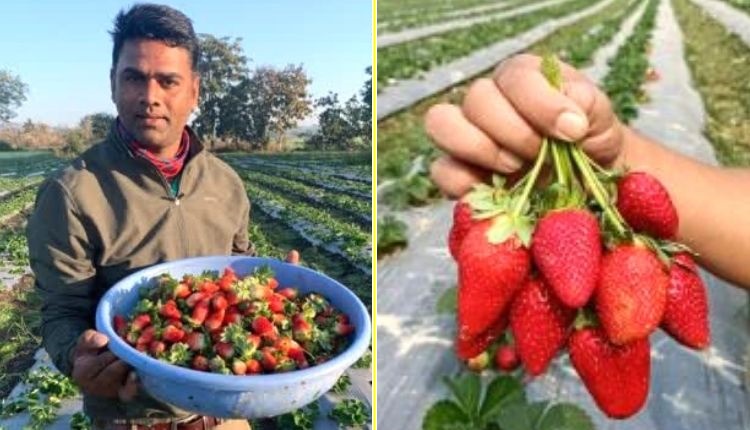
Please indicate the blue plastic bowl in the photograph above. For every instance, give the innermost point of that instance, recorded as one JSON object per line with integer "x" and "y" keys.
{"x": 228, "y": 396}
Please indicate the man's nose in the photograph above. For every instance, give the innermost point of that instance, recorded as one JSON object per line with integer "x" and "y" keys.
{"x": 151, "y": 92}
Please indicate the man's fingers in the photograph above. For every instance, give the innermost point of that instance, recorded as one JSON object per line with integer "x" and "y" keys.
{"x": 485, "y": 106}
{"x": 87, "y": 367}
{"x": 455, "y": 178}
{"x": 90, "y": 341}
{"x": 114, "y": 374}
{"x": 453, "y": 133}
{"x": 129, "y": 390}
{"x": 548, "y": 110}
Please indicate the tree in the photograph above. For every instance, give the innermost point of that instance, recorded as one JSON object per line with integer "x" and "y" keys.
{"x": 222, "y": 65}
{"x": 99, "y": 123}
{"x": 12, "y": 94}
{"x": 334, "y": 129}
{"x": 278, "y": 100}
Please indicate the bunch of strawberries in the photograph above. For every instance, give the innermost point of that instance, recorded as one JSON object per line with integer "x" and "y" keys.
{"x": 232, "y": 325}
{"x": 585, "y": 262}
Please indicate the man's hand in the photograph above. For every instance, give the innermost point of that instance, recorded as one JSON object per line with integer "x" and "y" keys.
{"x": 292, "y": 257}
{"x": 499, "y": 126}
{"x": 100, "y": 373}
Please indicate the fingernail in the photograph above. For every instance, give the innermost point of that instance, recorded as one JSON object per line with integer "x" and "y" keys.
{"x": 571, "y": 126}
{"x": 133, "y": 377}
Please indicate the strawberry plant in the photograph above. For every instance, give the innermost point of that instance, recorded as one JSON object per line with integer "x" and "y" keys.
{"x": 342, "y": 384}
{"x": 42, "y": 398}
{"x": 409, "y": 59}
{"x": 299, "y": 419}
{"x": 350, "y": 413}
{"x": 628, "y": 68}
{"x": 502, "y": 404}
{"x": 391, "y": 235}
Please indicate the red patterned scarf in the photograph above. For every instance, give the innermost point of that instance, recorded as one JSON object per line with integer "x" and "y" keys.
{"x": 168, "y": 167}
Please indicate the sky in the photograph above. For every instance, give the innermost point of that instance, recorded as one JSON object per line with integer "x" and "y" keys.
{"x": 62, "y": 49}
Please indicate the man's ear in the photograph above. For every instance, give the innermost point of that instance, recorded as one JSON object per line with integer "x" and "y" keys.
{"x": 112, "y": 84}
{"x": 196, "y": 89}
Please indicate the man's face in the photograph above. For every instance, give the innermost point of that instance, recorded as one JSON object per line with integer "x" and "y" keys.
{"x": 155, "y": 90}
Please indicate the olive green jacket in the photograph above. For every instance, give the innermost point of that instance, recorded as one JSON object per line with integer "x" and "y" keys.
{"x": 110, "y": 213}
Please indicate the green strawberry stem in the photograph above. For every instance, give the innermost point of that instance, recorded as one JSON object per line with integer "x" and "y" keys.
{"x": 597, "y": 189}
{"x": 531, "y": 178}
{"x": 557, "y": 158}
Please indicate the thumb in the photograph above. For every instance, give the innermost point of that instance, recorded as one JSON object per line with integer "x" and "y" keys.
{"x": 91, "y": 341}
{"x": 292, "y": 257}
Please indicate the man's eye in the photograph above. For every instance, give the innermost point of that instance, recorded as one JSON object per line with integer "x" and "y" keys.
{"x": 168, "y": 83}
{"x": 131, "y": 78}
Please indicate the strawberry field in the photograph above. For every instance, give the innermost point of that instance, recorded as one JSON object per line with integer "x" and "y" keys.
{"x": 317, "y": 203}
{"x": 665, "y": 64}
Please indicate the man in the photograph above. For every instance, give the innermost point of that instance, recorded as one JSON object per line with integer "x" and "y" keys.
{"x": 148, "y": 193}
{"x": 498, "y": 128}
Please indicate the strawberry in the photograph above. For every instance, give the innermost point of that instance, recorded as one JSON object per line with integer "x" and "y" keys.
{"x": 268, "y": 360}
{"x": 468, "y": 348}
{"x": 169, "y": 310}
{"x": 289, "y": 293}
{"x": 219, "y": 302}
{"x": 121, "y": 326}
{"x": 239, "y": 367}
{"x": 147, "y": 336}
{"x": 462, "y": 222}
{"x": 224, "y": 349}
{"x": 488, "y": 277}
{"x": 200, "y": 312}
{"x": 276, "y": 303}
{"x": 140, "y": 321}
{"x": 272, "y": 283}
{"x": 566, "y": 249}
{"x": 631, "y": 294}
{"x": 172, "y": 334}
{"x": 215, "y": 320}
{"x": 227, "y": 279}
{"x": 616, "y": 376}
{"x": 646, "y": 206}
{"x": 181, "y": 291}
{"x": 209, "y": 287}
{"x": 232, "y": 298}
{"x": 253, "y": 367}
{"x": 200, "y": 363}
{"x": 156, "y": 347}
{"x": 142, "y": 347}
{"x": 194, "y": 298}
{"x": 195, "y": 340}
{"x": 539, "y": 322}
{"x": 301, "y": 329}
{"x": 686, "y": 313}
{"x": 479, "y": 363}
{"x": 254, "y": 339}
{"x": 343, "y": 329}
{"x": 262, "y": 326}
{"x": 506, "y": 358}
{"x": 232, "y": 316}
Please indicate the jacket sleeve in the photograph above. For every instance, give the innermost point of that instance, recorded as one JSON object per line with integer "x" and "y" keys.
{"x": 241, "y": 244}
{"x": 60, "y": 255}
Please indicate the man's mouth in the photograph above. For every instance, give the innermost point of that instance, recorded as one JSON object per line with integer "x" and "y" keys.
{"x": 150, "y": 119}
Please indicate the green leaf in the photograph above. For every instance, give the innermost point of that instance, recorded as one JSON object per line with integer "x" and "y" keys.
{"x": 468, "y": 390}
{"x": 565, "y": 416}
{"x": 391, "y": 234}
{"x": 448, "y": 301}
{"x": 501, "y": 391}
{"x": 443, "y": 415}
{"x": 520, "y": 415}
{"x": 500, "y": 230}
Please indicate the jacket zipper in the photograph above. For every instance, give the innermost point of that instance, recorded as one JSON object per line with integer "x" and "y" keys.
{"x": 176, "y": 201}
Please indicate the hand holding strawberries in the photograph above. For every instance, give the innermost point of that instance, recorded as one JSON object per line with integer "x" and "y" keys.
{"x": 500, "y": 125}
{"x": 584, "y": 260}
{"x": 98, "y": 372}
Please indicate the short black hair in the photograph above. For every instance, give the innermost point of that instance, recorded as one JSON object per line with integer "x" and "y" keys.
{"x": 155, "y": 22}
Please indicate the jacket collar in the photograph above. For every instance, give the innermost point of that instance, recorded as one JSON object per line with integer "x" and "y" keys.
{"x": 196, "y": 147}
